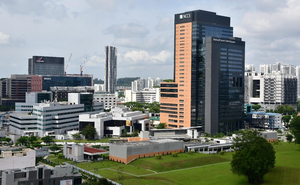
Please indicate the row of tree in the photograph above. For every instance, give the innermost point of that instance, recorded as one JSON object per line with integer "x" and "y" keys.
{"x": 136, "y": 106}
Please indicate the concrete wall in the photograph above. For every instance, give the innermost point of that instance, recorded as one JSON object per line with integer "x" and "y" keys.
{"x": 18, "y": 162}
{"x": 75, "y": 152}
{"x": 126, "y": 153}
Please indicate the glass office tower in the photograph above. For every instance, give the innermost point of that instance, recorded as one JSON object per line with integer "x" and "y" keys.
{"x": 196, "y": 50}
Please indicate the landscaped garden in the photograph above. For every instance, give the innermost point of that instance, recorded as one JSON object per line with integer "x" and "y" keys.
{"x": 196, "y": 168}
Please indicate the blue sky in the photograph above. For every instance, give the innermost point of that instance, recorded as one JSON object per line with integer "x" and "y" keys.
{"x": 142, "y": 31}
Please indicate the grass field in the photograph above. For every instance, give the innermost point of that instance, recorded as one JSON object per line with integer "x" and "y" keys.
{"x": 197, "y": 169}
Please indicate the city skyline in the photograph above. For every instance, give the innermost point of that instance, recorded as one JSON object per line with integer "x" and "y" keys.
{"x": 142, "y": 32}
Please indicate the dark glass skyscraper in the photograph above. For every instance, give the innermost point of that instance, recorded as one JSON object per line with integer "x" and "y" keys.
{"x": 42, "y": 65}
{"x": 208, "y": 74}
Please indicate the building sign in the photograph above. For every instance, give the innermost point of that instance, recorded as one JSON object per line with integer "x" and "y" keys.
{"x": 47, "y": 78}
{"x": 224, "y": 40}
{"x": 40, "y": 60}
{"x": 128, "y": 123}
{"x": 185, "y": 16}
{"x": 66, "y": 182}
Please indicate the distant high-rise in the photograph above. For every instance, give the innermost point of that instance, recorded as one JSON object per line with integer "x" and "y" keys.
{"x": 110, "y": 78}
{"x": 276, "y": 67}
{"x": 42, "y": 65}
{"x": 265, "y": 68}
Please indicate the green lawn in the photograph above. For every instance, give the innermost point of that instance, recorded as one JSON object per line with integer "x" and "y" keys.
{"x": 55, "y": 159}
{"x": 286, "y": 171}
{"x": 184, "y": 160}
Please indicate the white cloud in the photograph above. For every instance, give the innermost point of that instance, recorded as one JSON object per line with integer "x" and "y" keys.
{"x": 128, "y": 30}
{"x": 165, "y": 23}
{"x": 4, "y": 38}
{"x": 94, "y": 61}
{"x": 142, "y": 57}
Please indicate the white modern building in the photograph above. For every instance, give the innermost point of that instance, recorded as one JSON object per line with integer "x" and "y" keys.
{"x": 249, "y": 68}
{"x": 33, "y": 98}
{"x": 141, "y": 83}
{"x": 270, "y": 90}
{"x": 99, "y": 87}
{"x": 17, "y": 159}
{"x": 147, "y": 95}
{"x": 109, "y": 100}
{"x": 114, "y": 122}
{"x": 265, "y": 68}
{"x": 110, "y": 73}
{"x": 54, "y": 117}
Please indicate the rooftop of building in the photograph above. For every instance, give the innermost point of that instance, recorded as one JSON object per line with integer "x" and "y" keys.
{"x": 147, "y": 142}
{"x": 263, "y": 113}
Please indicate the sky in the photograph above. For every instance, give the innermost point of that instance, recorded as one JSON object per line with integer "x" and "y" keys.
{"x": 141, "y": 30}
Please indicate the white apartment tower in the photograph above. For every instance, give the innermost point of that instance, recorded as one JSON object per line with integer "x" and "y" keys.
{"x": 110, "y": 78}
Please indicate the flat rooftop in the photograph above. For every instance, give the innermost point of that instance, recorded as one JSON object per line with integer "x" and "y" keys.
{"x": 148, "y": 142}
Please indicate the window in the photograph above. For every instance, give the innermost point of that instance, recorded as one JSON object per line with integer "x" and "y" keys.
{"x": 181, "y": 43}
{"x": 182, "y": 50}
{"x": 181, "y": 62}
{"x": 181, "y": 37}
{"x": 181, "y": 101}
{"x": 181, "y": 73}
{"x": 180, "y": 121}
{"x": 181, "y": 81}
{"x": 182, "y": 30}
{"x": 181, "y": 33}
{"x": 181, "y": 69}
{"x": 181, "y": 95}
{"x": 181, "y": 117}
{"x": 181, "y": 109}
{"x": 181, "y": 85}
{"x": 181, "y": 105}
{"x": 182, "y": 54}
{"x": 181, "y": 77}
{"x": 181, "y": 66}
{"x": 182, "y": 26}
{"x": 181, "y": 90}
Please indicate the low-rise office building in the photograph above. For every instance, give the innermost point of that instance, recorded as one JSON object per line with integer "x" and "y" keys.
{"x": 128, "y": 151}
{"x": 63, "y": 175}
{"x": 113, "y": 123}
{"x": 78, "y": 152}
{"x": 17, "y": 159}
{"x": 264, "y": 120}
{"x": 109, "y": 100}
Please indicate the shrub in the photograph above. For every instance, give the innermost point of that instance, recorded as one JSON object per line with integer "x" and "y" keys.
{"x": 191, "y": 152}
{"x": 222, "y": 153}
{"x": 175, "y": 154}
{"x": 158, "y": 156}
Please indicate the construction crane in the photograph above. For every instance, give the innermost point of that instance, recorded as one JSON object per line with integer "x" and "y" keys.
{"x": 68, "y": 64}
{"x": 81, "y": 67}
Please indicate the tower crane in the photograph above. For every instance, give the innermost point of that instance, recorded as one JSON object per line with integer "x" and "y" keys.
{"x": 81, "y": 67}
{"x": 68, "y": 64}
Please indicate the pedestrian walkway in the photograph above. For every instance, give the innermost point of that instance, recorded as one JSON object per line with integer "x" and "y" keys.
{"x": 91, "y": 173}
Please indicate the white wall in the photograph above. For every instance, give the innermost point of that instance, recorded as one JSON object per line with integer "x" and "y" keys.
{"x": 18, "y": 162}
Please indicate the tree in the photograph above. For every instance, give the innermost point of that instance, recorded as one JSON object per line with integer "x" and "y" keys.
{"x": 76, "y": 136}
{"x": 254, "y": 156}
{"x": 31, "y": 139}
{"x": 47, "y": 139}
{"x": 168, "y": 80}
{"x": 295, "y": 128}
{"x": 286, "y": 119}
{"x": 89, "y": 131}
{"x": 161, "y": 126}
{"x": 23, "y": 140}
{"x": 256, "y": 107}
{"x": 7, "y": 139}
{"x": 289, "y": 138}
